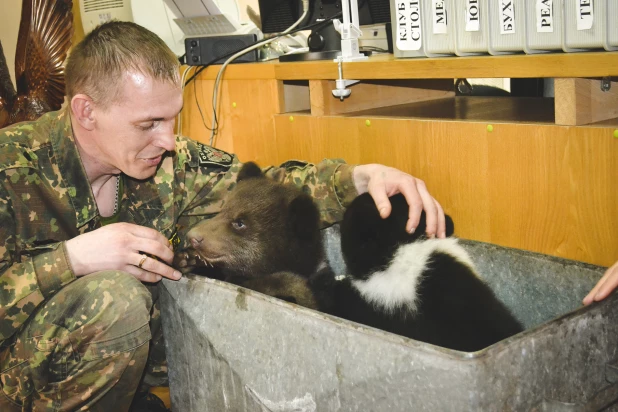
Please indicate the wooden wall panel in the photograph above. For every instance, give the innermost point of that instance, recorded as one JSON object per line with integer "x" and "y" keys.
{"x": 252, "y": 119}
{"x": 310, "y": 138}
{"x": 593, "y": 187}
{"x": 548, "y": 189}
{"x": 198, "y": 96}
{"x": 450, "y": 160}
{"x": 554, "y": 191}
{"x": 78, "y": 27}
{"x": 245, "y": 113}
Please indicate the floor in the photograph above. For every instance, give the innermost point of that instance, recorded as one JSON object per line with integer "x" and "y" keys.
{"x": 163, "y": 393}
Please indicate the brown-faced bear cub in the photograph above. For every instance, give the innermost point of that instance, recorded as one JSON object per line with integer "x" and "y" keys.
{"x": 267, "y": 238}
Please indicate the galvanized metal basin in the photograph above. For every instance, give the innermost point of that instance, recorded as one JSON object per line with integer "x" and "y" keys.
{"x": 231, "y": 349}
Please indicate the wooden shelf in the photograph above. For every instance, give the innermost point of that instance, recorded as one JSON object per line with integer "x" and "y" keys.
{"x": 484, "y": 109}
{"x": 386, "y": 66}
{"x": 579, "y": 97}
{"x": 520, "y": 110}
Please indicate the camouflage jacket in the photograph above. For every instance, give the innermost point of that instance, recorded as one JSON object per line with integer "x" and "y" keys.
{"x": 46, "y": 199}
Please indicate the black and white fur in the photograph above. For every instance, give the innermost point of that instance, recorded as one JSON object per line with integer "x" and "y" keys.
{"x": 425, "y": 289}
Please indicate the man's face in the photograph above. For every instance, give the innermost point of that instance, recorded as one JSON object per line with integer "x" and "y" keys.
{"x": 134, "y": 132}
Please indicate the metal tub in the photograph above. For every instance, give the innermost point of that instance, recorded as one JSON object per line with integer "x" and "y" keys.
{"x": 231, "y": 349}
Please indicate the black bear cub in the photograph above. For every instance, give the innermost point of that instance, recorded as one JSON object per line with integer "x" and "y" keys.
{"x": 425, "y": 289}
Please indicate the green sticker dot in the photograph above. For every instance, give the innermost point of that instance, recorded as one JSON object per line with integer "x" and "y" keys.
{"x": 616, "y": 134}
{"x": 490, "y": 128}
{"x": 367, "y": 122}
{"x": 233, "y": 104}
{"x": 291, "y": 118}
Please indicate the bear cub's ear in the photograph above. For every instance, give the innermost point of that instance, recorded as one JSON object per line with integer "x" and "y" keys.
{"x": 249, "y": 170}
{"x": 304, "y": 217}
{"x": 450, "y": 226}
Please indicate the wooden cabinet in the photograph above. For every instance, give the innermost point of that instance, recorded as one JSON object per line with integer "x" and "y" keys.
{"x": 511, "y": 171}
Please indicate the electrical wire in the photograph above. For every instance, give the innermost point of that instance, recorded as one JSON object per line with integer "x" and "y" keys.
{"x": 182, "y": 85}
{"x": 215, "y": 122}
{"x": 215, "y": 92}
{"x": 235, "y": 54}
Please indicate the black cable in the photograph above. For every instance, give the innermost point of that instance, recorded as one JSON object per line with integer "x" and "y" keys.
{"x": 215, "y": 123}
{"x": 213, "y": 61}
{"x": 319, "y": 24}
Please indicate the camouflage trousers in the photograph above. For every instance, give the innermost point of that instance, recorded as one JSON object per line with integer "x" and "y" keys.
{"x": 85, "y": 348}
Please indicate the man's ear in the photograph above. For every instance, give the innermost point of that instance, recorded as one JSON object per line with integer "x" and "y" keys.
{"x": 82, "y": 108}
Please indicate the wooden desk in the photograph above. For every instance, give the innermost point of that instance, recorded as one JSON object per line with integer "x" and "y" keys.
{"x": 501, "y": 167}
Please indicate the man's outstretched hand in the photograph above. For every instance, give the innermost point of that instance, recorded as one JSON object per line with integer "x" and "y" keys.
{"x": 382, "y": 182}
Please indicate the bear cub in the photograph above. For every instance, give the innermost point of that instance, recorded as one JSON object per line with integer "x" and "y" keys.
{"x": 266, "y": 237}
{"x": 425, "y": 289}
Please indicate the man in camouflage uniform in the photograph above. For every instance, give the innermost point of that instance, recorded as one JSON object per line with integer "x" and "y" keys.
{"x": 90, "y": 196}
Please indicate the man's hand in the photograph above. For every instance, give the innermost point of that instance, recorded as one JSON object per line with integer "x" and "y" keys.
{"x": 382, "y": 182}
{"x": 138, "y": 250}
{"x": 604, "y": 286}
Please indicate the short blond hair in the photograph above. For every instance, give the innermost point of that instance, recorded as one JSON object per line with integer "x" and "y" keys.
{"x": 97, "y": 64}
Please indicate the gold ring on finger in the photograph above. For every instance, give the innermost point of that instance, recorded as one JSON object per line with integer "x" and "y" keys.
{"x": 141, "y": 262}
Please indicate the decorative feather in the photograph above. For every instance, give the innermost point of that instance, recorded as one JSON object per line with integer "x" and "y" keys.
{"x": 45, "y": 33}
{"x": 7, "y": 91}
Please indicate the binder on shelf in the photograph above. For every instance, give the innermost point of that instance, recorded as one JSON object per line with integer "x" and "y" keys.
{"x": 439, "y": 27}
{"x": 544, "y": 26}
{"x": 408, "y": 30}
{"x": 611, "y": 25}
{"x": 507, "y": 26}
{"x": 585, "y": 25}
{"x": 471, "y": 27}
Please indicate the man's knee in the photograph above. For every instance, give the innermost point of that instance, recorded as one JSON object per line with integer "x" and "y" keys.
{"x": 95, "y": 327}
{"x": 98, "y": 307}
{"x": 117, "y": 292}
